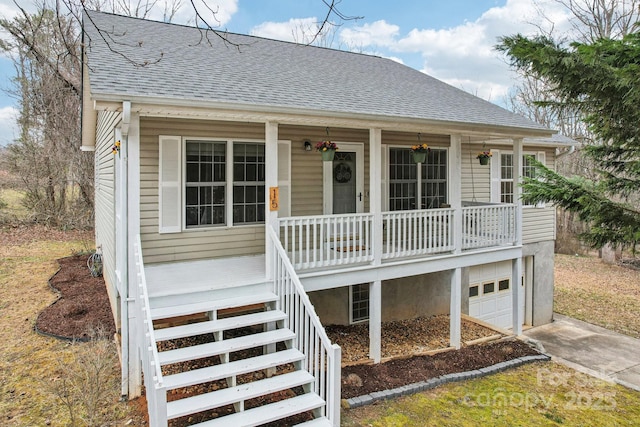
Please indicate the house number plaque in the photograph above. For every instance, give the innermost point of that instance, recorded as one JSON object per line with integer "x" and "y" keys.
{"x": 274, "y": 198}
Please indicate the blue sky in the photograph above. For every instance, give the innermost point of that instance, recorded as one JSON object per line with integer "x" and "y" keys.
{"x": 450, "y": 40}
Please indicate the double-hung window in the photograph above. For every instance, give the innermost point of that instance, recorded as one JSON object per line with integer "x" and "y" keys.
{"x": 248, "y": 183}
{"x": 506, "y": 178}
{"x": 408, "y": 183}
{"x": 506, "y": 173}
{"x": 205, "y": 183}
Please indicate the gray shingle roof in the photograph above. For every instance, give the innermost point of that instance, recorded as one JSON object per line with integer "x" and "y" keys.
{"x": 199, "y": 66}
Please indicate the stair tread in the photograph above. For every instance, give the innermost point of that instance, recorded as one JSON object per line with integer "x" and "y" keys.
{"x": 213, "y": 304}
{"x": 228, "y": 396}
{"x": 316, "y": 422}
{"x": 224, "y": 346}
{"x": 218, "y": 325}
{"x": 226, "y": 370}
{"x": 267, "y": 413}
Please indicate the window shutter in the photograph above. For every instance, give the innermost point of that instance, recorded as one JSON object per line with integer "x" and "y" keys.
{"x": 542, "y": 158}
{"x": 384, "y": 173}
{"x": 495, "y": 163}
{"x": 284, "y": 178}
{"x": 169, "y": 185}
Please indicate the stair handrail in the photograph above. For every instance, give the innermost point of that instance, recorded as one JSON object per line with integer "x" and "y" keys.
{"x": 328, "y": 386}
{"x": 155, "y": 390}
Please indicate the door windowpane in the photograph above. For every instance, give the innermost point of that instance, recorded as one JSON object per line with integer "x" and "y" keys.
{"x": 488, "y": 288}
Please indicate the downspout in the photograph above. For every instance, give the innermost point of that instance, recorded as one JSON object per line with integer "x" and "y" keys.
{"x": 559, "y": 154}
{"x": 124, "y": 298}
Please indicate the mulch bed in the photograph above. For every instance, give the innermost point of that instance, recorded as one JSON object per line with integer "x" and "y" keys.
{"x": 84, "y": 304}
{"x": 83, "y": 307}
{"x": 359, "y": 380}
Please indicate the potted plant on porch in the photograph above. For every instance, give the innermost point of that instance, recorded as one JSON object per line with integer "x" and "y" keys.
{"x": 484, "y": 157}
{"x": 419, "y": 152}
{"x": 327, "y": 149}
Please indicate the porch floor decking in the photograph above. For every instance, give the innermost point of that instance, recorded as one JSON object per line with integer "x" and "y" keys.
{"x": 178, "y": 278}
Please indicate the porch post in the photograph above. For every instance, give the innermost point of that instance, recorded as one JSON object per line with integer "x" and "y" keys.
{"x": 455, "y": 189}
{"x": 375, "y": 191}
{"x": 516, "y": 264}
{"x": 455, "y": 309}
{"x": 271, "y": 182}
{"x": 375, "y": 321}
{"x": 132, "y": 158}
{"x": 455, "y": 200}
{"x": 375, "y": 207}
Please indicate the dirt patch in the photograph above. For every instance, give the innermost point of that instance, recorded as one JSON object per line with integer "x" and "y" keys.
{"x": 364, "y": 379}
{"x": 23, "y": 233}
{"x": 83, "y": 304}
{"x": 605, "y": 295}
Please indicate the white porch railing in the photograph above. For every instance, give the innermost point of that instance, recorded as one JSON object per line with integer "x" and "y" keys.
{"x": 488, "y": 225}
{"x": 322, "y": 358}
{"x": 347, "y": 239}
{"x": 327, "y": 240}
{"x": 418, "y": 232}
{"x": 156, "y": 393}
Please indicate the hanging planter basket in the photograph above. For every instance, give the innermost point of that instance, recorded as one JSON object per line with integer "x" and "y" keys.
{"x": 328, "y": 155}
{"x": 484, "y": 157}
{"x": 418, "y": 157}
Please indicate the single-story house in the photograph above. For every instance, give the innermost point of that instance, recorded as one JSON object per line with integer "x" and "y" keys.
{"x": 211, "y": 198}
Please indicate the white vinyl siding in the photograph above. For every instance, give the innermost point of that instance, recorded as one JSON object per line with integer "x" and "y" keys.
{"x": 306, "y": 166}
{"x": 482, "y": 184}
{"x": 105, "y": 183}
{"x": 539, "y": 222}
{"x": 476, "y": 179}
{"x": 211, "y": 242}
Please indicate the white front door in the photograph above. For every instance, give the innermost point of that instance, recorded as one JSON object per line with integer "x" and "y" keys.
{"x": 344, "y": 180}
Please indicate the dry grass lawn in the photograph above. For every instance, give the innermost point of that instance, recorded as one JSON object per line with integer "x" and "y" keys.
{"x": 32, "y": 366}
{"x": 540, "y": 394}
{"x": 605, "y": 295}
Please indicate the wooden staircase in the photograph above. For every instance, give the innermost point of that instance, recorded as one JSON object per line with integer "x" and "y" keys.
{"x": 236, "y": 366}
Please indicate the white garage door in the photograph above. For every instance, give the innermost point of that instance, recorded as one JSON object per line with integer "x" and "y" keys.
{"x": 490, "y": 294}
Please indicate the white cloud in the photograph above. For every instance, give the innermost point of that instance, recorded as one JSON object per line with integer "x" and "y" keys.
{"x": 378, "y": 33}
{"x": 8, "y": 125}
{"x": 298, "y": 30}
{"x": 8, "y": 8}
{"x": 217, "y": 15}
{"x": 464, "y": 55}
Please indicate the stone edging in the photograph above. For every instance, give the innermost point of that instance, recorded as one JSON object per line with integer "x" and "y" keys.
{"x": 407, "y": 390}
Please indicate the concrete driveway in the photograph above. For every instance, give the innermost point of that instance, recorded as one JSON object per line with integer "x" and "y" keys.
{"x": 591, "y": 349}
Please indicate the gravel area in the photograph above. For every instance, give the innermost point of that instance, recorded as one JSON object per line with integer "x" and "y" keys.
{"x": 403, "y": 337}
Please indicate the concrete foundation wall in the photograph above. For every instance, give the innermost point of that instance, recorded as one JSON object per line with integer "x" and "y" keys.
{"x": 542, "y": 294}
{"x": 416, "y": 296}
{"x": 403, "y": 298}
{"x": 429, "y": 294}
{"x": 332, "y": 305}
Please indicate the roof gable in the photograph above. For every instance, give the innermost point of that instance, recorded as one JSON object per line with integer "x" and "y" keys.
{"x": 189, "y": 64}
